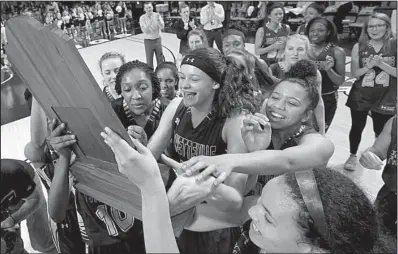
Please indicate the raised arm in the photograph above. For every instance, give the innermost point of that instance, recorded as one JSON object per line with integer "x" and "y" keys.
{"x": 34, "y": 150}
{"x": 337, "y": 76}
{"x": 160, "y": 139}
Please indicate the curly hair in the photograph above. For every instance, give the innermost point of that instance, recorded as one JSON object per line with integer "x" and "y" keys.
{"x": 108, "y": 55}
{"x": 172, "y": 67}
{"x": 304, "y": 73}
{"x": 145, "y": 68}
{"x": 330, "y": 26}
{"x": 236, "y": 91}
{"x": 351, "y": 219}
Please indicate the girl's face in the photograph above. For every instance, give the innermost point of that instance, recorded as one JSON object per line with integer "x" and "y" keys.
{"x": 276, "y": 15}
{"x": 137, "y": 91}
{"x": 318, "y": 33}
{"x": 287, "y": 105}
{"x": 110, "y": 68}
{"x": 310, "y": 13}
{"x": 195, "y": 42}
{"x": 197, "y": 87}
{"x": 167, "y": 83}
{"x": 295, "y": 51}
{"x": 273, "y": 226}
{"x": 376, "y": 29}
{"x": 232, "y": 42}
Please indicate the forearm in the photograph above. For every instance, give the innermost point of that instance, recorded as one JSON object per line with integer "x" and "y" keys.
{"x": 226, "y": 198}
{"x": 320, "y": 116}
{"x": 335, "y": 77}
{"x": 389, "y": 69}
{"x": 377, "y": 152}
{"x": 360, "y": 72}
{"x": 158, "y": 230}
{"x": 269, "y": 162}
{"x": 38, "y": 125}
{"x": 161, "y": 23}
{"x": 262, "y": 51}
{"x": 31, "y": 205}
{"x": 58, "y": 197}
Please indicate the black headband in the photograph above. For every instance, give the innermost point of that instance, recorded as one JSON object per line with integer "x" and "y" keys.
{"x": 309, "y": 191}
{"x": 204, "y": 65}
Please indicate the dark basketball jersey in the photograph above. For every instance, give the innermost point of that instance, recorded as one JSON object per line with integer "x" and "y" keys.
{"x": 376, "y": 90}
{"x": 278, "y": 71}
{"x": 105, "y": 225}
{"x": 390, "y": 170}
{"x": 270, "y": 37}
{"x": 290, "y": 142}
{"x": 320, "y": 61}
{"x": 127, "y": 118}
{"x": 106, "y": 91}
{"x": 301, "y": 29}
{"x": 205, "y": 139}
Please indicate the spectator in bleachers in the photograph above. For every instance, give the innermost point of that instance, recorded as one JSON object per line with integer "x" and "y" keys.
{"x": 211, "y": 17}
{"x": 183, "y": 27}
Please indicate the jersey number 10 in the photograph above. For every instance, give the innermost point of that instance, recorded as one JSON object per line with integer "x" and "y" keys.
{"x": 123, "y": 221}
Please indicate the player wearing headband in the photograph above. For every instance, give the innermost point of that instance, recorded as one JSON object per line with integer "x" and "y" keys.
{"x": 206, "y": 121}
{"x": 286, "y": 142}
{"x": 312, "y": 211}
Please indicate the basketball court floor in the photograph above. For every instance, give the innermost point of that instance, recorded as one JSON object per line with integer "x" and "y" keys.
{"x": 15, "y": 120}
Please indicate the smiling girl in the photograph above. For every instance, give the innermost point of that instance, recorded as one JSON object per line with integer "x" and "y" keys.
{"x": 312, "y": 11}
{"x": 374, "y": 64}
{"x": 109, "y": 64}
{"x": 330, "y": 61}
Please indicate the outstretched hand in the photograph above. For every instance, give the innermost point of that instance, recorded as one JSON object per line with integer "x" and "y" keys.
{"x": 256, "y": 132}
{"x": 138, "y": 165}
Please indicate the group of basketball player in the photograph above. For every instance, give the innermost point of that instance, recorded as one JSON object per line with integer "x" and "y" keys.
{"x": 239, "y": 141}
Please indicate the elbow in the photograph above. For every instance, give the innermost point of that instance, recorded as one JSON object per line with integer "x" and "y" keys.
{"x": 32, "y": 152}
{"x": 256, "y": 51}
{"x": 57, "y": 217}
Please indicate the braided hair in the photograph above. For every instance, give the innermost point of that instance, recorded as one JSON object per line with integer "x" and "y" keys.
{"x": 143, "y": 67}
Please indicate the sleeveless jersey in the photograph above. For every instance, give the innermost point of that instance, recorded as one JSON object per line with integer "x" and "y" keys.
{"x": 127, "y": 118}
{"x": 320, "y": 61}
{"x": 106, "y": 91}
{"x": 205, "y": 139}
{"x": 270, "y": 37}
{"x": 290, "y": 142}
{"x": 376, "y": 90}
{"x": 105, "y": 225}
{"x": 390, "y": 170}
{"x": 301, "y": 29}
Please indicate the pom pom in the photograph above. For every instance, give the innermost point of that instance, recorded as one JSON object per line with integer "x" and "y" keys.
{"x": 118, "y": 8}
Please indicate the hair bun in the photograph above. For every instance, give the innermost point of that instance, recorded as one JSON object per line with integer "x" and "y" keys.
{"x": 303, "y": 69}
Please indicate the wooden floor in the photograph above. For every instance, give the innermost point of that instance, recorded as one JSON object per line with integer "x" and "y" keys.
{"x": 15, "y": 133}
